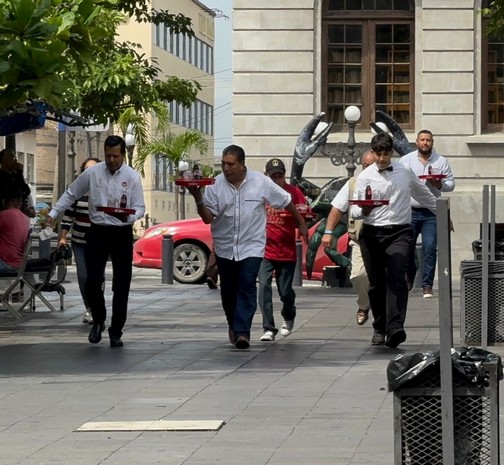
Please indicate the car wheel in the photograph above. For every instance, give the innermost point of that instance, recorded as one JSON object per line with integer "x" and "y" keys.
{"x": 190, "y": 263}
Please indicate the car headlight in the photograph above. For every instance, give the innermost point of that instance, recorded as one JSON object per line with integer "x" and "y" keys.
{"x": 157, "y": 231}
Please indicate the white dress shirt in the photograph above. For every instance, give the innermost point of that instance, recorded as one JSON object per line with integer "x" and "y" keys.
{"x": 439, "y": 164}
{"x": 340, "y": 201}
{"x": 239, "y": 226}
{"x": 397, "y": 186}
{"x": 101, "y": 185}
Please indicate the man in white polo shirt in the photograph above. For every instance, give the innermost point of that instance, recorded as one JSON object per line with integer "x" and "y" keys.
{"x": 235, "y": 207}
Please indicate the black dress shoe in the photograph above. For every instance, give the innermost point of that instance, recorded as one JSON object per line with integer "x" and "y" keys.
{"x": 95, "y": 333}
{"x": 395, "y": 338}
{"x": 115, "y": 341}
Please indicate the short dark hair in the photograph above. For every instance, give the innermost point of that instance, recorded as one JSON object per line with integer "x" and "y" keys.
{"x": 382, "y": 143}
{"x": 235, "y": 150}
{"x": 114, "y": 141}
{"x": 5, "y": 152}
{"x": 425, "y": 131}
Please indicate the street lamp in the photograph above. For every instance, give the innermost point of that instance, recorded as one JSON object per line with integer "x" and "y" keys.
{"x": 130, "y": 143}
{"x": 183, "y": 167}
{"x": 346, "y": 154}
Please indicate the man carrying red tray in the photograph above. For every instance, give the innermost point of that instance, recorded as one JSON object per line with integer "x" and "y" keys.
{"x": 427, "y": 164}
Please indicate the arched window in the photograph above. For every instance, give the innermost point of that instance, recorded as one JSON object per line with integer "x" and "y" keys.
{"x": 368, "y": 59}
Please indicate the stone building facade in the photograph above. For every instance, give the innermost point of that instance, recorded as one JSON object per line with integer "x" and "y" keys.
{"x": 428, "y": 63}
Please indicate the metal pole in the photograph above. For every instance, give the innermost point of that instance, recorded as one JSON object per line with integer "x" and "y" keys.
{"x": 298, "y": 272}
{"x": 167, "y": 260}
{"x": 492, "y": 223}
{"x": 61, "y": 159}
{"x": 182, "y": 203}
{"x": 445, "y": 328}
{"x": 351, "y": 146}
{"x": 484, "y": 270}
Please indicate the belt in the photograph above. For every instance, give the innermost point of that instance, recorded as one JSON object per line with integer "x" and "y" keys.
{"x": 389, "y": 227}
{"x": 106, "y": 226}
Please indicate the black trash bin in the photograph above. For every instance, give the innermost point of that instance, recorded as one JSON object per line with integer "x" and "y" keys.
{"x": 477, "y": 247}
{"x": 416, "y": 382}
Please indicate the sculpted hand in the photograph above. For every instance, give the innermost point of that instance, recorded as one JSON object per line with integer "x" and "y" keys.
{"x": 306, "y": 144}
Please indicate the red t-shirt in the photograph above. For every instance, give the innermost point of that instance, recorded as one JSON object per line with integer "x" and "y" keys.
{"x": 281, "y": 229}
{"x": 14, "y": 228}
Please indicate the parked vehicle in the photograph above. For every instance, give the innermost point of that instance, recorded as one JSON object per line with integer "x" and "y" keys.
{"x": 192, "y": 243}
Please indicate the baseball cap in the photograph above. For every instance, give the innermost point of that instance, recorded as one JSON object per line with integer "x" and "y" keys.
{"x": 275, "y": 165}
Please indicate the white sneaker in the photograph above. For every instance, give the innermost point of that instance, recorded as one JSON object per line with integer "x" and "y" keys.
{"x": 287, "y": 327}
{"x": 87, "y": 317}
{"x": 268, "y": 336}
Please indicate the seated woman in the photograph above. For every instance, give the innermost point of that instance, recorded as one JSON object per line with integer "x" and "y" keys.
{"x": 14, "y": 230}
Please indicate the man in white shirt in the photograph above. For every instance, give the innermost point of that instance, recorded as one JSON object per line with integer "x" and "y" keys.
{"x": 110, "y": 233}
{"x": 424, "y": 162}
{"x": 387, "y": 238}
{"x": 235, "y": 207}
{"x": 358, "y": 276}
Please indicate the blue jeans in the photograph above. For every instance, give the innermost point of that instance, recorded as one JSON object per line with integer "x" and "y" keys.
{"x": 284, "y": 274}
{"x": 5, "y": 267}
{"x": 239, "y": 292}
{"x": 423, "y": 222}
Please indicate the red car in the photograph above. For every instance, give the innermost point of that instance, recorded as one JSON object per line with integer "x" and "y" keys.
{"x": 192, "y": 243}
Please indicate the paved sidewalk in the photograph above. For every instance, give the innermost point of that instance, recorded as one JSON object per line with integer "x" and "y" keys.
{"x": 318, "y": 396}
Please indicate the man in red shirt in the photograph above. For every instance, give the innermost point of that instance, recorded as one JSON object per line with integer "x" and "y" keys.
{"x": 279, "y": 257}
{"x": 14, "y": 228}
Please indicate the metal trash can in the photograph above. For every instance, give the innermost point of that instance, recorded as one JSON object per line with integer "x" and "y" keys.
{"x": 470, "y": 302}
{"x": 418, "y": 436}
{"x": 477, "y": 248}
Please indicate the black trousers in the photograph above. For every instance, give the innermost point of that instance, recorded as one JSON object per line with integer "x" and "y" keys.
{"x": 115, "y": 242}
{"x": 386, "y": 252}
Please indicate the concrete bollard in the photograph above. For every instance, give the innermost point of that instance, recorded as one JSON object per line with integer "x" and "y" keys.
{"x": 167, "y": 259}
{"x": 298, "y": 272}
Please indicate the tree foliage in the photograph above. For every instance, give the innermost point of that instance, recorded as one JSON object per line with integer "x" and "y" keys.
{"x": 495, "y": 15}
{"x": 172, "y": 146}
{"x": 66, "y": 53}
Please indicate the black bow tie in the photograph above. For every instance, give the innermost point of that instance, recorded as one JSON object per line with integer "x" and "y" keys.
{"x": 388, "y": 168}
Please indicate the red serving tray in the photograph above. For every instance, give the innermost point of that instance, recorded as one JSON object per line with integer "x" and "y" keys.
{"x": 368, "y": 203}
{"x": 306, "y": 215}
{"x": 194, "y": 182}
{"x": 432, "y": 176}
{"x": 127, "y": 211}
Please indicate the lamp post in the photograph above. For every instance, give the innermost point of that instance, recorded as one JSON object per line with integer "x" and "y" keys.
{"x": 182, "y": 167}
{"x": 71, "y": 155}
{"x": 130, "y": 143}
{"x": 346, "y": 154}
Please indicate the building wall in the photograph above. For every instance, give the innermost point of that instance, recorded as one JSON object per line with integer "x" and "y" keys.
{"x": 276, "y": 90}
